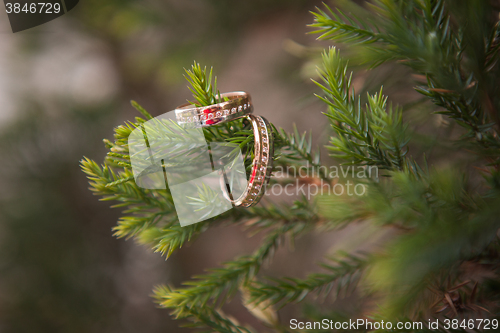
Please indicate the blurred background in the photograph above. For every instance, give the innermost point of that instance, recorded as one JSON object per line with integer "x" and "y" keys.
{"x": 65, "y": 85}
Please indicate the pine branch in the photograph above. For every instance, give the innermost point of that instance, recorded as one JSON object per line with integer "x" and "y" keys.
{"x": 126, "y": 193}
{"x": 342, "y": 28}
{"x": 220, "y": 284}
{"x": 207, "y": 200}
{"x": 263, "y": 311}
{"x": 204, "y": 91}
{"x": 374, "y": 135}
{"x": 171, "y": 237}
{"x": 216, "y": 320}
{"x": 343, "y": 275}
{"x": 141, "y": 110}
{"x": 447, "y": 224}
{"x": 411, "y": 31}
{"x": 420, "y": 35}
{"x": 300, "y": 211}
{"x": 133, "y": 225}
{"x": 202, "y": 317}
{"x": 295, "y": 148}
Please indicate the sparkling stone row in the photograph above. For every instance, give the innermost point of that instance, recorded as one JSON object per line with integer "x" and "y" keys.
{"x": 255, "y": 185}
{"x": 212, "y": 112}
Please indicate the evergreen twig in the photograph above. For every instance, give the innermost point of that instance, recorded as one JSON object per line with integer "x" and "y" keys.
{"x": 342, "y": 276}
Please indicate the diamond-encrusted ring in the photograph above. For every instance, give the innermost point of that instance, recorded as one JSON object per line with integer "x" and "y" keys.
{"x": 262, "y": 164}
{"x": 238, "y": 105}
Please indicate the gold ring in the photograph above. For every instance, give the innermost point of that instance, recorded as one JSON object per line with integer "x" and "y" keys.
{"x": 262, "y": 165}
{"x": 238, "y": 105}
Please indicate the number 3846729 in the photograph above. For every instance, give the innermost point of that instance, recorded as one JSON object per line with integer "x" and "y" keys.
{"x": 33, "y": 8}
{"x": 484, "y": 324}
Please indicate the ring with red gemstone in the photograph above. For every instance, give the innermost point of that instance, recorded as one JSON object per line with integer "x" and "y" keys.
{"x": 262, "y": 165}
{"x": 234, "y": 105}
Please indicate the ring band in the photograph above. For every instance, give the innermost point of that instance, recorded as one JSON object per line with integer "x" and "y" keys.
{"x": 238, "y": 105}
{"x": 262, "y": 164}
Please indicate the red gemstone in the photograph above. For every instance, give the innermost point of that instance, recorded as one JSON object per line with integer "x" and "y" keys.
{"x": 254, "y": 172}
{"x": 208, "y": 111}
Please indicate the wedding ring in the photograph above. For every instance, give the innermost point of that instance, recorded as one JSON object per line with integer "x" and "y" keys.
{"x": 261, "y": 166}
{"x": 237, "y": 106}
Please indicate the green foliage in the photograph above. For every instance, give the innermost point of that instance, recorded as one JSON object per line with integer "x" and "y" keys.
{"x": 342, "y": 28}
{"x": 222, "y": 283}
{"x": 443, "y": 220}
{"x": 369, "y": 136}
{"x": 206, "y": 201}
{"x": 296, "y": 149}
{"x": 449, "y": 217}
{"x": 342, "y": 276}
{"x": 452, "y": 46}
{"x": 204, "y": 91}
{"x": 150, "y": 215}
